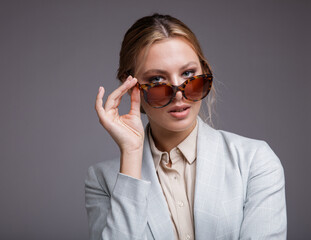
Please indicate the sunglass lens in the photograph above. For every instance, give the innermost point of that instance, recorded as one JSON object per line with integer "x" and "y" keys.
{"x": 198, "y": 88}
{"x": 159, "y": 96}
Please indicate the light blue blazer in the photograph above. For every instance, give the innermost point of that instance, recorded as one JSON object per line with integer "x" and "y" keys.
{"x": 239, "y": 194}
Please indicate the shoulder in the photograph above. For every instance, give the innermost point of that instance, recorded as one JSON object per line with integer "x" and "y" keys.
{"x": 237, "y": 150}
{"x": 249, "y": 151}
{"x": 237, "y": 143}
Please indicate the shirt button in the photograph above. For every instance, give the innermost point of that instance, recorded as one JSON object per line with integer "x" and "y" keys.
{"x": 180, "y": 203}
{"x": 188, "y": 237}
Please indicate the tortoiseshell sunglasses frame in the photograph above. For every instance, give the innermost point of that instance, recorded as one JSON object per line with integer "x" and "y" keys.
{"x": 145, "y": 87}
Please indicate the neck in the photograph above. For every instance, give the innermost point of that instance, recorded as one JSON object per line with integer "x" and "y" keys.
{"x": 166, "y": 140}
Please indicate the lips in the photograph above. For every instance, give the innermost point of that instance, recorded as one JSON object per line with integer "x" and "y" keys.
{"x": 179, "y": 112}
{"x": 179, "y": 109}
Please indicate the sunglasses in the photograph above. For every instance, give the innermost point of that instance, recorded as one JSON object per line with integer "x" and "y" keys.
{"x": 160, "y": 94}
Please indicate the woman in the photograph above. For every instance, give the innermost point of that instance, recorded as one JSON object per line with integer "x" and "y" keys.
{"x": 180, "y": 178}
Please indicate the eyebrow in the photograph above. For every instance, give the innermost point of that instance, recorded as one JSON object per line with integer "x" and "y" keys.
{"x": 160, "y": 71}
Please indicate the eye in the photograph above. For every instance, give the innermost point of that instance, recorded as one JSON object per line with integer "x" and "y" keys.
{"x": 156, "y": 79}
{"x": 188, "y": 74}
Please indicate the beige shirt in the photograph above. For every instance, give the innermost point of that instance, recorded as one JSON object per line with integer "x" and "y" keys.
{"x": 178, "y": 181}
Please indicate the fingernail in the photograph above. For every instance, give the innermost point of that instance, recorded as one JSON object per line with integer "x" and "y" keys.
{"x": 99, "y": 88}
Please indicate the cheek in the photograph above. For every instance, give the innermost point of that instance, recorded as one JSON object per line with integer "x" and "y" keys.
{"x": 153, "y": 114}
{"x": 145, "y": 106}
{"x": 147, "y": 109}
{"x": 197, "y": 105}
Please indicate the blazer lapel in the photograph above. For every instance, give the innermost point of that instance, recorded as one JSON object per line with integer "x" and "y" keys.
{"x": 209, "y": 180}
{"x": 159, "y": 220}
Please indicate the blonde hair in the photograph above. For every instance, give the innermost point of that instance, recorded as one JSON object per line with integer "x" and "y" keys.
{"x": 150, "y": 29}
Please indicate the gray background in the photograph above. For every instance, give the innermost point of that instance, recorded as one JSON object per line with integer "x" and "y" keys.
{"x": 55, "y": 54}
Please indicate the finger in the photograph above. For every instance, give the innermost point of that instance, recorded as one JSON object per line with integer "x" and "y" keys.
{"x": 99, "y": 102}
{"x": 135, "y": 102}
{"x": 114, "y": 98}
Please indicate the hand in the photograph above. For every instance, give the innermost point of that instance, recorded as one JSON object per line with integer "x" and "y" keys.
{"x": 126, "y": 130}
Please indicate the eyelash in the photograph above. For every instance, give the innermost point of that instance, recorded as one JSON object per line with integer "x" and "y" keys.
{"x": 190, "y": 71}
{"x": 153, "y": 79}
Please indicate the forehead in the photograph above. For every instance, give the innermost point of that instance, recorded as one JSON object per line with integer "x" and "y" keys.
{"x": 168, "y": 54}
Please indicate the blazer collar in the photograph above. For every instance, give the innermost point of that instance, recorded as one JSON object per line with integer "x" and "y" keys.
{"x": 209, "y": 179}
{"x": 210, "y": 174}
{"x": 159, "y": 219}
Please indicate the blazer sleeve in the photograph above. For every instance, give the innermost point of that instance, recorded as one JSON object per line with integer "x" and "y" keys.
{"x": 121, "y": 215}
{"x": 265, "y": 206}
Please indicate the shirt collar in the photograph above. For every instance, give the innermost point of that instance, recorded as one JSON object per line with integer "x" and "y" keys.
{"x": 188, "y": 148}
{"x": 156, "y": 153}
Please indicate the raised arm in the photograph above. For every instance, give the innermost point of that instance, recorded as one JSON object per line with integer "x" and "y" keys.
{"x": 126, "y": 130}
{"x": 122, "y": 212}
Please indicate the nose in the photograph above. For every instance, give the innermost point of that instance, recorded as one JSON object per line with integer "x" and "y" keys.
{"x": 178, "y": 96}
{"x": 177, "y": 81}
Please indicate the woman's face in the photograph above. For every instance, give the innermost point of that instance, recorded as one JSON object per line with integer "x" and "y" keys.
{"x": 172, "y": 61}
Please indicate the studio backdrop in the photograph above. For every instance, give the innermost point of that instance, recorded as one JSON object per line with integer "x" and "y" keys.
{"x": 55, "y": 54}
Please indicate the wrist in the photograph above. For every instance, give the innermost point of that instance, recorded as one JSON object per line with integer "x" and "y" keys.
{"x": 132, "y": 147}
{"x": 131, "y": 162}
{"x": 133, "y": 151}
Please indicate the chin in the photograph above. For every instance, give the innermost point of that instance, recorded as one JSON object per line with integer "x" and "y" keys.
{"x": 182, "y": 125}
{"x": 172, "y": 125}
